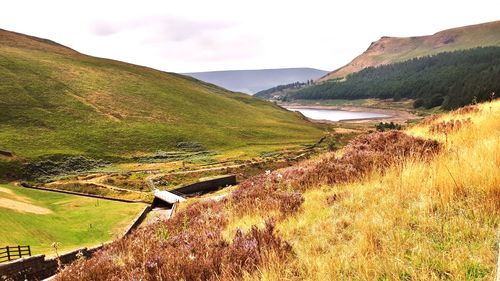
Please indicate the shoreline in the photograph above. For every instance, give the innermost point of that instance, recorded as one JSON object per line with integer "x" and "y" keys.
{"x": 393, "y": 115}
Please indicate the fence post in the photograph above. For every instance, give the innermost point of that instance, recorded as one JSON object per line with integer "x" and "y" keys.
{"x": 8, "y": 253}
{"x": 19, "y": 249}
{"x": 29, "y": 250}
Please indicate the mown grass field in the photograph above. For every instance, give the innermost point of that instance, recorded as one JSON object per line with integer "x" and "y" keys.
{"x": 55, "y": 101}
{"x": 40, "y": 218}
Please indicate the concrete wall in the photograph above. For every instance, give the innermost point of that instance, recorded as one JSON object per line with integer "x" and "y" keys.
{"x": 207, "y": 186}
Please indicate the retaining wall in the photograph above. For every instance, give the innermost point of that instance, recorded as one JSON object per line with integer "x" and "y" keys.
{"x": 138, "y": 220}
{"x": 207, "y": 186}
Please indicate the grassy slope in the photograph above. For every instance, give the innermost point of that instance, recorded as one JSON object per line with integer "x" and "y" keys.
{"x": 54, "y": 100}
{"x": 421, "y": 221}
{"x": 389, "y": 50}
{"x": 68, "y": 223}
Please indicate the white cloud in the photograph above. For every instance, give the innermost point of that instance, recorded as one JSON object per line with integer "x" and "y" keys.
{"x": 202, "y": 35}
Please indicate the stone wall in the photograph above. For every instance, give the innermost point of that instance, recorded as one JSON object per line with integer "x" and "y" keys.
{"x": 38, "y": 267}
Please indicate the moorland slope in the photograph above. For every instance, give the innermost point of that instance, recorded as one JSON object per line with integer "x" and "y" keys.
{"x": 388, "y": 50}
{"x": 57, "y": 101}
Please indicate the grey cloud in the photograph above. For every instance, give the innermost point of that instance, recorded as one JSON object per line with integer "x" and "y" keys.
{"x": 168, "y": 28}
{"x": 104, "y": 28}
{"x": 178, "y": 30}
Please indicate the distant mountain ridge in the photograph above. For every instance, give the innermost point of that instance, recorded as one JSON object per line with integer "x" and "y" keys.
{"x": 389, "y": 50}
{"x": 253, "y": 81}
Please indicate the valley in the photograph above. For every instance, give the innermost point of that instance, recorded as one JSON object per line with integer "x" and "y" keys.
{"x": 255, "y": 80}
{"x": 384, "y": 169}
{"x": 91, "y": 126}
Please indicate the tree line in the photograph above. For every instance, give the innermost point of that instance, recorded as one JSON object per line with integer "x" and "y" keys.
{"x": 449, "y": 80}
{"x": 295, "y": 85}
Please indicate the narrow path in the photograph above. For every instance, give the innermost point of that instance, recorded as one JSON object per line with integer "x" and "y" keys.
{"x": 95, "y": 181}
{"x": 98, "y": 181}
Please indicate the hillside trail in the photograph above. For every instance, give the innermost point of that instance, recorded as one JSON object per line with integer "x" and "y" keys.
{"x": 98, "y": 181}
{"x": 151, "y": 178}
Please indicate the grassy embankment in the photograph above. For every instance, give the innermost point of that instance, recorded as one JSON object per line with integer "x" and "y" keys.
{"x": 38, "y": 218}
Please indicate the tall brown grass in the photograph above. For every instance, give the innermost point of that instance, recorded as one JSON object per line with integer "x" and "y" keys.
{"x": 282, "y": 188}
{"x": 419, "y": 219}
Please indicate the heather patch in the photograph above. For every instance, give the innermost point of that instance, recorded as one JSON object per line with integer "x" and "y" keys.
{"x": 188, "y": 247}
{"x": 376, "y": 151}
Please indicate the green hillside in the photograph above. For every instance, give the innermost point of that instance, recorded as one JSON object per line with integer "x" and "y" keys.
{"x": 449, "y": 80}
{"x": 56, "y": 101}
{"x": 389, "y": 50}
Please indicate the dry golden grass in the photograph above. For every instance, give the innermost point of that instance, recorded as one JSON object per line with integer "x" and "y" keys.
{"x": 429, "y": 220}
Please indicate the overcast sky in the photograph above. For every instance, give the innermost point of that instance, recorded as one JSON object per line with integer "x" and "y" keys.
{"x": 186, "y": 35}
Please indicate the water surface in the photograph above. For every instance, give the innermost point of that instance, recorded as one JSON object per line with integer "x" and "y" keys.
{"x": 336, "y": 115}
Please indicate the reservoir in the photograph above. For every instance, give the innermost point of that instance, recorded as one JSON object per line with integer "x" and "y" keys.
{"x": 335, "y": 115}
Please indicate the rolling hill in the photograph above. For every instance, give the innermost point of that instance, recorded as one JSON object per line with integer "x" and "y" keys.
{"x": 253, "y": 81}
{"x": 389, "y": 50}
{"x": 55, "y": 101}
